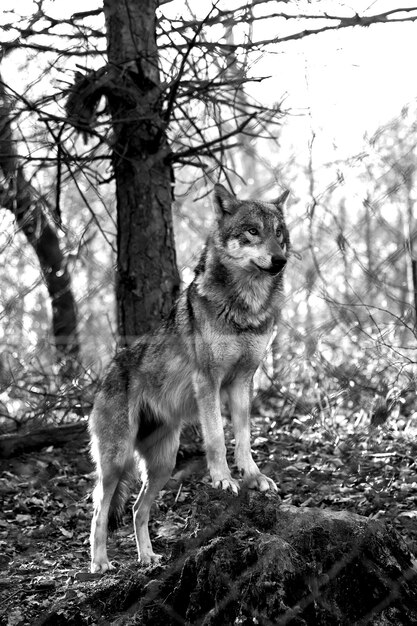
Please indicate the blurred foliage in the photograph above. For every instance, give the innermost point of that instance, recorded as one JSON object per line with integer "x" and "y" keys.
{"x": 345, "y": 350}
{"x": 348, "y": 320}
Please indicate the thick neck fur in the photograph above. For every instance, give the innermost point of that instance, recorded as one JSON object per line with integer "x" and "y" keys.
{"x": 245, "y": 298}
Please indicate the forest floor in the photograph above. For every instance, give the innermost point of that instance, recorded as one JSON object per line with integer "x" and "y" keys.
{"x": 46, "y": 511}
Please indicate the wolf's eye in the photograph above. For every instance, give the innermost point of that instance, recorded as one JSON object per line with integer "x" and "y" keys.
{"x": 253, "y": 231}
{"x": 279, "y": 233}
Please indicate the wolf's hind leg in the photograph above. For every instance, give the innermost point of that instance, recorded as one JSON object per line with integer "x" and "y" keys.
{"x": 112, "y": 446}
{"x": 103, "y": 493}
{"x": 158, "y": 455}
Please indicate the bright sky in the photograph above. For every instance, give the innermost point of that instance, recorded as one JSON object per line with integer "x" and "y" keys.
{"x": 349, "y": 82}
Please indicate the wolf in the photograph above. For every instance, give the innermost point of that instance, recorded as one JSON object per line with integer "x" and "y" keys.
{"x": 208, "y": 348}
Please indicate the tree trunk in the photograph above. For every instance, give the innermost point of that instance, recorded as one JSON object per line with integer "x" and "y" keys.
{"x": 410, "y": 246}
{"x": 414, "y": 274}
{"x": 32, "y": 218}
{"x": 147, "y": 275}
{"x": 17, "y": 443}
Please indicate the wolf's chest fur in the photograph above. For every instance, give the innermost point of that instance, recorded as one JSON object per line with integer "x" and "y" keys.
{"x": 197, "y": 340}
{"x": 240, "y": 300}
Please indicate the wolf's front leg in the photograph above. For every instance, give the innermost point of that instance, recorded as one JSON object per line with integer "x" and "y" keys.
{"x": 207, "y": 394}
{"x": 240, "y": 392}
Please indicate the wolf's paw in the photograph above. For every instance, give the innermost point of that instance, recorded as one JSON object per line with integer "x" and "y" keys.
{"x": 101, "y": 568}
{"x": 227, "y": 484}
{"x": 147, "y": 558}
{"x": 260, "y": 482}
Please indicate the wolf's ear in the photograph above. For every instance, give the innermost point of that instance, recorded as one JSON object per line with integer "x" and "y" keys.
{"x": 280, "y": 202}
{"x": 224, "y": 201}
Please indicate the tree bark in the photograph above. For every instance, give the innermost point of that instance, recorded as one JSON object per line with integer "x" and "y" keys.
{"x": 20, "y": 197}
{"x": 147, "y": 275}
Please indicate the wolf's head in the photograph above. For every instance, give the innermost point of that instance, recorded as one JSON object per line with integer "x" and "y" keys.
{"x": 252, "y": 234}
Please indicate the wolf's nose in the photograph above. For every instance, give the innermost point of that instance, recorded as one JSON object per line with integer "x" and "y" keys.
{"x": 278, "y": 262}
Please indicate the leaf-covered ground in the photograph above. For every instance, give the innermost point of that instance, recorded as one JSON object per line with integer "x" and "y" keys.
{"x": 46, "y": 510}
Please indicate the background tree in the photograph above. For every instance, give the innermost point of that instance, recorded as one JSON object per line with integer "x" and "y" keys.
{"x": 38, "y": 222}
{"x": 147, "y": 275}
{"x": 395, "y": 152}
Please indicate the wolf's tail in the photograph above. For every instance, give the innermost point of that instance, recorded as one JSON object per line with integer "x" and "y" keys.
{"x": 121, "y": 494}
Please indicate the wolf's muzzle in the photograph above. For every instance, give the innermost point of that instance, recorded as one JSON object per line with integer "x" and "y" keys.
{"x": 277, "y": 264}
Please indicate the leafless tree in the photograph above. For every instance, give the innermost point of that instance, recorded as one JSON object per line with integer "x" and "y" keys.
{"x": 171, "y": 93}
